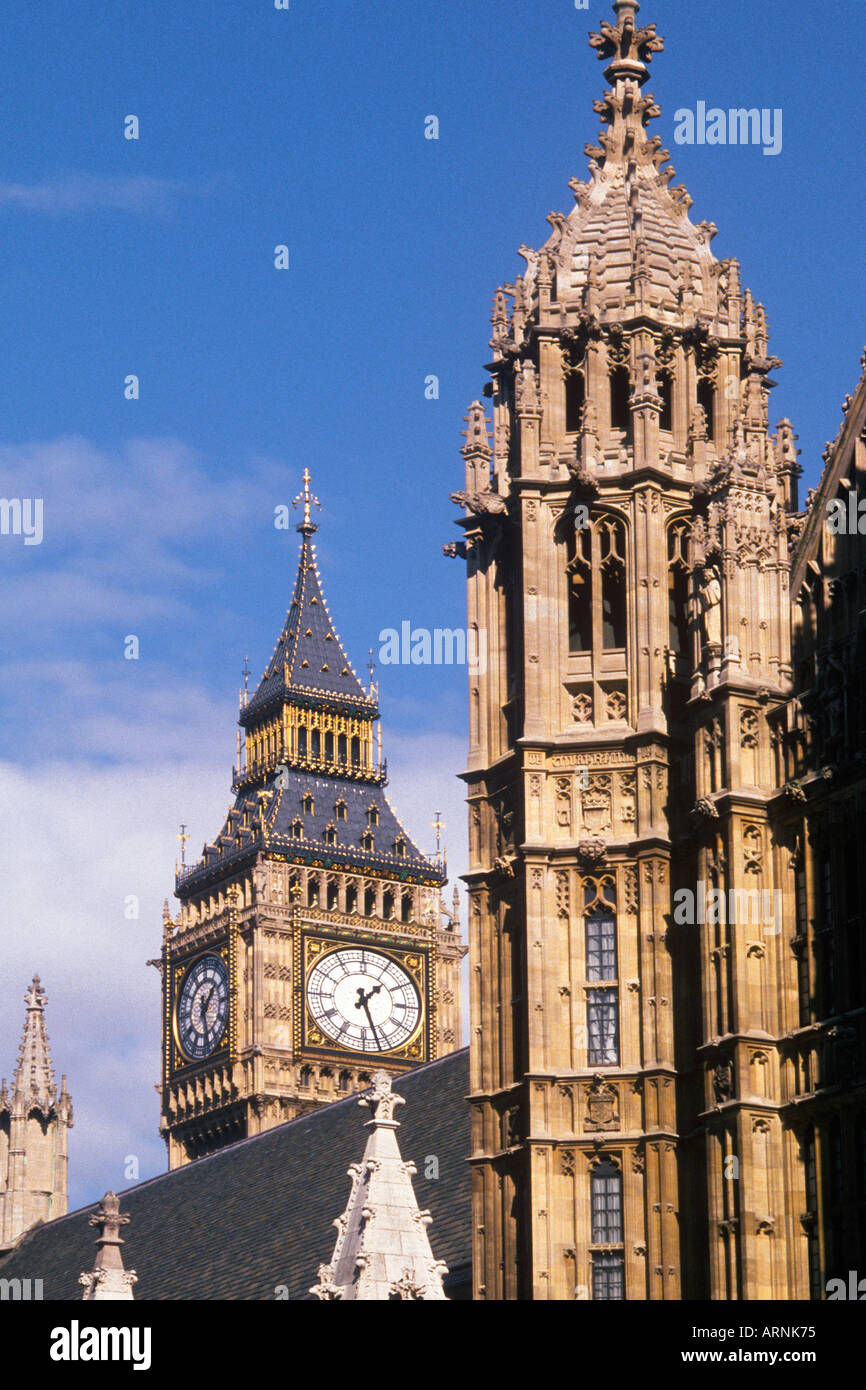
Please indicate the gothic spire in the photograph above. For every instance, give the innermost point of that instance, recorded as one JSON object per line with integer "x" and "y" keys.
{"x": 382, "y": 1252}
{"x": 108, "y": 1281}
{"x": 629, "y": 48}
{"x": 308, "y": 660}
{"x": 34, "y": 1074}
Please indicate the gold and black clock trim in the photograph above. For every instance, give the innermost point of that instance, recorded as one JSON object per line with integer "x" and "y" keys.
{"x": 201, "y": 1007}
{"x": 360, "y": 998}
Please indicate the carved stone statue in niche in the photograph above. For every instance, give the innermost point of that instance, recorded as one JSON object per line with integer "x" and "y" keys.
{"x": 710, "y": 595}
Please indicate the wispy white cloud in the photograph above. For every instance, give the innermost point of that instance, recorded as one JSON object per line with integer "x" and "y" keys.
{"x": 79, "y": 844}
{"x": 123, "y": 530}
{"x": 82, "y": 192}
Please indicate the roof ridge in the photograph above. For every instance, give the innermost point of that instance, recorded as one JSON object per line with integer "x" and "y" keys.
{"x": 187, "y": 1168}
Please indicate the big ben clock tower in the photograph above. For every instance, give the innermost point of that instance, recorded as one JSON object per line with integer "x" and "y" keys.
{"x": 311, "y": 947}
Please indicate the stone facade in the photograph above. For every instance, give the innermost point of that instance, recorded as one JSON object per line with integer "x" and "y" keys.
{"x": 667, "y": 1101}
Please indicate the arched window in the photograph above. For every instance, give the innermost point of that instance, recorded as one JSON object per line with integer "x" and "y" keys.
{"x": 369, "y": 902}
{"x": 342, "y": 747}
{"x": 665, "y": 384}
{"x": 312, "y": 891}
{"x": 388, "y": 906}
{"x": 373, "y": 815}
{"x": 620, "y": 393}
{"x": 368, "y": 842}
{"x": 333, "y": 895}
{"x": 707, "y": 399}
{"x": 611, "y": 536}
{"x": 351, "y": 898}
{"x": 602, "y": 1000}
{"x": 406, "y": 916}
{"x": 305, "y": 1077}
{"x": 678, "y": 588}
{"x": 330, "y": 835}
{"x": 344, "y": 1081}
{"x": 608, "y": 1266}
{"x": 579, "y": 572}
{"x": 356, "y": 752}
{"x": 329, "y": 747}
{"x": 316, "y": 745}
{"x": 606, "y": 1198}
{"x": 302, "y": 741}
{"x": 309, "y": 804}
{"x": 340, "y": 809}
{"x": 297, "y": 830}
{"x": 575, "y": 399}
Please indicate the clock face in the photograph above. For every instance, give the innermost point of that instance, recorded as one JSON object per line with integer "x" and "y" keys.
{"x": 203, "y": 1007}
{"x": 363, "y": 1000}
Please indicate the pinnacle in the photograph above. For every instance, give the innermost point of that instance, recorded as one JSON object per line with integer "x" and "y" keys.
{"x": 382, "y": 1251}
{"x": 34, "y": 1074}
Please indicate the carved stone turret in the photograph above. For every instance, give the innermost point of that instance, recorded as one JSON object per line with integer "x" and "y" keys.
{"x": 382, "y": 1252}
{"x": 34, "y": 1122}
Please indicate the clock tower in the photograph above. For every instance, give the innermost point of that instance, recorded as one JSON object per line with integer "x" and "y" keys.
{"x": 311, "y": 947}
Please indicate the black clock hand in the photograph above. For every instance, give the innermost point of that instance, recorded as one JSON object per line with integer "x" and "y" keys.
{"x": 363, "y": 1002}
{"x": 205, "y": 1005}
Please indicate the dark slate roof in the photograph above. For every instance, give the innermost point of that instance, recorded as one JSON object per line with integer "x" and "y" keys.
{"x": 358, "y": 798}
{"x": 308, "y": 658}
{"x": 271, "y": 829}
{"x": 259, "y": 1214}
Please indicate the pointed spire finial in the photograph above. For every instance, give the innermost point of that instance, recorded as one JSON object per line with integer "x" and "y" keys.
{"x": 307, "y": 526}
{"x": 34, "y": 1074}
{"x": 108, "y": 1280}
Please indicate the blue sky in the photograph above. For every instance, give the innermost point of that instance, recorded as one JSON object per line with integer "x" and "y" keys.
{"x": 155, "y": 257}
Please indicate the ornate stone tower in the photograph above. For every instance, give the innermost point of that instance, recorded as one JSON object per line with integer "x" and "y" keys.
{"x": 34, "y": 1125}
{"x": 627, "y": 549}
{"x": 311, "y": 945}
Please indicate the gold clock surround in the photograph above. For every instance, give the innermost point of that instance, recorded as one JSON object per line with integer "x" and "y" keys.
{"x": 313, "y": 944}
{"x": 177, "y": 1060}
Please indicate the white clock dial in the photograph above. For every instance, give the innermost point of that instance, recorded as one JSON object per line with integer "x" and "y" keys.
{"x": 203, "y": 1007}
{"x": 363, "y": 1000}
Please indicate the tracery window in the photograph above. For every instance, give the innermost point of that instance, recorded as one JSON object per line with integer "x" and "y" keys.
{"x": 611, "y": 541}
{"x": 620, "y": 398}
{"x": 608, "y": 1266}
{"x": 575, "y": 398}
{"x": 707, "y": 399}
{"x": 602, "y": 1001}
{"x": 606, "y": 1203}
{"x": 596, "y": 556}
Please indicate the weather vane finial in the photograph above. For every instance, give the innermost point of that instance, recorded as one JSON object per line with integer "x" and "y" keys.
{"x": 307, "y": 527}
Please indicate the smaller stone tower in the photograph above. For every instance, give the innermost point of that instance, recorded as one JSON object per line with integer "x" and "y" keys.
{"x": 34, "y": 1122}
